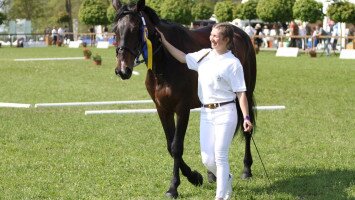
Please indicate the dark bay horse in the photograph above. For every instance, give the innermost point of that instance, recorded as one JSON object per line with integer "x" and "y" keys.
{"x": 170, "y": 84}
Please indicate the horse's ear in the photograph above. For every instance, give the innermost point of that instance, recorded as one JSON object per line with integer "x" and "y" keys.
{"x": 117, "y": 4}
{"x": 140, "y": 5}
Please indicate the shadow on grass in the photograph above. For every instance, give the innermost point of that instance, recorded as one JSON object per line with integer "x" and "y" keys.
{"x": 316, "y": 184}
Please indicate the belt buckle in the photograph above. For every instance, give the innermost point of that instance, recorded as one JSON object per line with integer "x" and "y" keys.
{"x": 212, "y": 106}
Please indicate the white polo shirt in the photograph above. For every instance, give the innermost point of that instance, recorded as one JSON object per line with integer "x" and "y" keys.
{"x": 219, "y": 76}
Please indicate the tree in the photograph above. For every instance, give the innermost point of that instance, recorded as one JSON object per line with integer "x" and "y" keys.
{"x": 248, "y": 10}
{"x": 201, "y": 11}
{"x": 111, "y": 14}
{"x": 26, "y": 9}
{"x": 155, "y": 5}
{"x": 224, "y": 11}
{"x": 275, "y": 10}
{"x": 177, "y": 11}
{"x": 342, "y": 12}
{"x": 308, "y": 10}
{"x": 93, "y": 12}
{"x": 2, "y": 17}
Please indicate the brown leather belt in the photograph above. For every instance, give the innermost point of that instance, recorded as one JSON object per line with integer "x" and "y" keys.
{"x": 216, "y": 105}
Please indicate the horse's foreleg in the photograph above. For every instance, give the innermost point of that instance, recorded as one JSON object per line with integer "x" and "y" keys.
{"x": 182, "y": 121}
{"x": 193, "y": 177}
{"x": 167, "y": 121}
{"x": 248, "y": 160}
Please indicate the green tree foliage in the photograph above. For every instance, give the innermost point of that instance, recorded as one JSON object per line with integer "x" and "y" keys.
{"x": 177, "y": 11}
{"x": 308, "y": 10}
{"x": 63, "y": 17}
{"x": 342, "y": 12}
{"x": 2, "y": 17}
{"x": 248, "y": 10}
{"x": 237, "y": 11}
{"x": 224, "y": 11}
{"x": 155, "y": 5}
{"x": 93, "y": 12}
{"x": 26, "y": 9}
{"x": 275, "y": 10}
{"x": 201, "y": 11}
{"x": 111, "y": 14}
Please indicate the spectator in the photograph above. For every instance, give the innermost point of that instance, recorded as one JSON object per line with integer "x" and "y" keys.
{"x": 258, "y": 36}
{"x": 319, "y": 33}
{"x": 105, "y": 33}
{"x": 66, "y": 36}
{"x": 274, "y": 35}
{"x": 266, "y": 39}
{"x": 92, "y": 35}
{"x": 60, "y": 35}
{"x": 302, "y": 33}
{"x": 249, "y": 30}
{"x": 293, "y": 31}
{"x": 54, "y": 35}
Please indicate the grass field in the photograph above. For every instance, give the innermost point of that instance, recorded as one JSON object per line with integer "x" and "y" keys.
{"x": 59, "y": 153}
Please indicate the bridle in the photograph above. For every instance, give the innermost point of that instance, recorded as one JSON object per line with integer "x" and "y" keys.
{"x": 120, "y": 49}
{"x": 141, "y": 47}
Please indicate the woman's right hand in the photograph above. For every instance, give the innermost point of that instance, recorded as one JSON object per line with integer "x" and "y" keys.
{"x": 162, "y": 37}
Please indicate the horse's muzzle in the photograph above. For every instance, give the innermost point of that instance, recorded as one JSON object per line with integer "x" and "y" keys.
{"x": 124, "y": 74}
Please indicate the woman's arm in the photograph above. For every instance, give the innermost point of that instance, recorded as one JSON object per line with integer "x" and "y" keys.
{"x": 243, "y": 102}
{"x": 176, "y": 53}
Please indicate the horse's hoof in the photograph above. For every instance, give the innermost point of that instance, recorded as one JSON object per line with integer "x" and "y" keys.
{"x": 196, "y": 179}
{"x": 246, "y": 176}
{"x": 172, "y": 194}
{"x": 211, "y": 177}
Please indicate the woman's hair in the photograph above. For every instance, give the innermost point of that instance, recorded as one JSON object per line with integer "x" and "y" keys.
{"x": 226, "y": 30}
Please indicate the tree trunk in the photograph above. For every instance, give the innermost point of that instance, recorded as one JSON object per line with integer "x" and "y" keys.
{"x": 69, "y": 11}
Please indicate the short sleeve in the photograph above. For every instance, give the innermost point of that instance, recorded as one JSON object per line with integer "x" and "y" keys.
{"x": 193, "y": 58}
{"x": 236, "y": 77}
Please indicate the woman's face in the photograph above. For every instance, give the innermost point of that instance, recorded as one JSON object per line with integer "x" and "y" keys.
{"x": 217, "y": 41}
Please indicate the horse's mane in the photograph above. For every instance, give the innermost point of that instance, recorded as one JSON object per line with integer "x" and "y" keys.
{"x": 172, "y": 27}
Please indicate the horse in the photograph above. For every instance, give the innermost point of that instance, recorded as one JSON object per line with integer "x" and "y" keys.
{"x": 170, "y": 84}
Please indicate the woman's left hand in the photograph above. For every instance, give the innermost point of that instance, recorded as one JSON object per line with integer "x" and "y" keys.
{"x": 247, "y": 125}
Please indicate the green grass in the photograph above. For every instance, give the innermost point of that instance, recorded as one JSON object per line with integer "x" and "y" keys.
{"x": 59, "y": 153}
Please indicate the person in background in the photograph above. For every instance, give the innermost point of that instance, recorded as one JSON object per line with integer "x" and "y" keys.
{"x": 293, "y": 31}
{"x": 54, "y": 36}
{"x": 266, "y": 39}
{"x": 258, "y": 40}
{"x": 92, "y": 35}
{"x": 274, "y": 35}
{"x": 302, "y": 42}
{"x": 335, "y": 34}
{"x": 60, "y": 34}
{"x": 249, "y": 30}
{"x": 220, "y": 83}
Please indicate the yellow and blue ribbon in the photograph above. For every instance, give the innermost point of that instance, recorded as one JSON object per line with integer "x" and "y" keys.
{"x": 147, "y": 48}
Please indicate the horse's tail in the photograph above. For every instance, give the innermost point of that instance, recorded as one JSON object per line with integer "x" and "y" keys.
{"x": 244, "y": 51}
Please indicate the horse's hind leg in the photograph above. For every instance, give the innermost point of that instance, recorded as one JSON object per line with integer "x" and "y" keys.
{"x": 248, "y": 160}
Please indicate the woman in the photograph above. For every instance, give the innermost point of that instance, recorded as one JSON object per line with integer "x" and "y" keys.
{"x": 220, "y": 81}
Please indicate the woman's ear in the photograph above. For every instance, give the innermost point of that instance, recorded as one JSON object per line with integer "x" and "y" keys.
{"x": 228, "y": 41}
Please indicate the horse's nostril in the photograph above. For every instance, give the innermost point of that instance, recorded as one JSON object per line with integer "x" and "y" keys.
{"x": 117, "y": 72}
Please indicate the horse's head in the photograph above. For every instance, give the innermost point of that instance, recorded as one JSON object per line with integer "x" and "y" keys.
{"x": 129, "y": 36}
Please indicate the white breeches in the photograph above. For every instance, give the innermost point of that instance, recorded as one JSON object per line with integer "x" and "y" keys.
{"x": 217, "y": 127}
